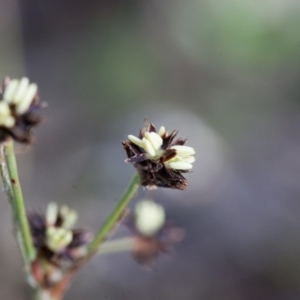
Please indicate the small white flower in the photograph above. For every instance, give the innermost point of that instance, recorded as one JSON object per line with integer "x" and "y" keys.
{"x": 149, "y": 217}
{"x": 159, "y": 157}
{"x": 152, "y": 142}
{"x": 69, "y": 216}
{"x": 20, "y": 93}
{"x": 57, "y": 238}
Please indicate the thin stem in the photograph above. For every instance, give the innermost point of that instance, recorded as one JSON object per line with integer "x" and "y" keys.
{"x": 38, "y": 294}
{"x": 9, "y": 193}
{"x": 115, "y": 215}
{"x": 6, "y": 183}
{"x": 23, "y": 230}
{"x": 119, "y": 245}
{"x": 102, "y": 233}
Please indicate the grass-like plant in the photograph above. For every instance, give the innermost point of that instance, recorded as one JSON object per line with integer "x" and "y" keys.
{"x": 52, "y": 249}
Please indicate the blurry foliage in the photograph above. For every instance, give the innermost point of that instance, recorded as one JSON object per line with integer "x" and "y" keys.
{"x": 121, "y": 65}
{"x": 239, "y": 34}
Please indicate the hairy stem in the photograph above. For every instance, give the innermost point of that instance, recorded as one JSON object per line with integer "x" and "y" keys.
{"x": 115, "y": 215}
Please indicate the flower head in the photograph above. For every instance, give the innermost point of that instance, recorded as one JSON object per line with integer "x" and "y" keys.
{"x": 154, "y": 234}
{"x": 159, "y": 158}
{"x": 54, "y": 236}
{"x": 19, "y": 103}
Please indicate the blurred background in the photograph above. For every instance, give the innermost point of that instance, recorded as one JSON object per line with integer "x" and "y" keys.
{"x": 226, "y": 73}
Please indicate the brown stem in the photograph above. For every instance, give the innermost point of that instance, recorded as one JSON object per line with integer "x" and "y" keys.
{"x": 58, "y": 291}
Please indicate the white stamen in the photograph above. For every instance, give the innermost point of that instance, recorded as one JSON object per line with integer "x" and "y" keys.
{"x": 150, "y": 217}
{"x": 183, "y": 150}
{"x": 27, "y": 99}
{"x": 180, "y": 165}
{"x": 7, "y": 121}
{"x": 69, "y": 217}
{"x": 152, "y": 143}
{"x": 10, "y": 90}
{"x": 189, "y": 159}
{"x": 162, "y": 131}
{"x": 51, "y": 213}
{"x": 22, "y": 87}
{"x": 58, "y": 238}
{"x": 154, "y": 139}
{"x": 148, "y": 147}
{"x": 135, "y": 140}
{"x": 157, "y": 138}
{"x": 4, "y": 109}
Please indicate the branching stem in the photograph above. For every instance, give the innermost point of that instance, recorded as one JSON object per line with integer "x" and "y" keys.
{"x": 115, "y": 215}
{"x": 116, "y": 246}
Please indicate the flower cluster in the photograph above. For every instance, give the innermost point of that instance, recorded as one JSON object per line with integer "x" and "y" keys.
{"x": 60, "y": 250}
{"x": 54, "y": 237}
{"x": 154, "y": 235}
{"x": 159, "y": 159}
{"x": 19, "y": 103}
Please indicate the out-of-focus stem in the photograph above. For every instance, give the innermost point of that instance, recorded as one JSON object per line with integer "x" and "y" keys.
{"x": 12, "y": 189}
{"x": 102, "y": 234}
{"x": 119, "y": 245}
{"x": 10, "y": 195}
{"x": 115, "y": 215}
{"x": 23, "y": 229}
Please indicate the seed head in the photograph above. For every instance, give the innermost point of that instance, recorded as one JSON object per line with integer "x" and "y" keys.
{"x": 19, "y": 103}
{"x": 159, "y": 158}
{"x": 54, "y": 236}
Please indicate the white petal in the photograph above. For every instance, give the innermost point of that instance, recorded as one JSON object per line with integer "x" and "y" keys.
{"x": 70, "y": 219}
{"x": 4, "y": 109}
{"x": 148, "y": 147}
{"x": 180, "y": 165}
{"x": 189, "y": 159}
{"x": 21, "y": 90}
{"x": 162, "y": 130}
{"x": 157, "y": 138}
{"x": 51, "y": 213}
{"x": 51, "y": 231}
{"x": 183, "y": 150}
{"x": 26, "y": 101}
{"x": 10, "y": 90}
{"x": 59, "y": 233}
{"x": 58, "y": 238}
{"x": 150, "y": 217}
{"x": 135, "y": 140}
{"x": 8, "y": 121}
{"x": 154, "y": 139}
